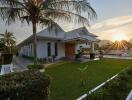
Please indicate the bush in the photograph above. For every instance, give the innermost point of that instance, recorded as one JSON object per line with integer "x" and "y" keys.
{"x": 28, "y": 57}
{"x": 117, "y": 89}
{"x": 27, "y": 85}
{"x": 35, "y": 66}
{"x": 6, "y": 59}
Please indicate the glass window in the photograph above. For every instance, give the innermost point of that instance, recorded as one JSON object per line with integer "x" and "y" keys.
{"x": 56, "y": 49}
{"x": 49, "y": 49}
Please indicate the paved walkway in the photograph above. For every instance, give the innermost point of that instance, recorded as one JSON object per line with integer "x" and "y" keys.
{"x": 20, "y": 64}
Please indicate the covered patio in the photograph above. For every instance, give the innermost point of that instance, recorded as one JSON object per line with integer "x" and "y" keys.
{"x": 75, "y": 45}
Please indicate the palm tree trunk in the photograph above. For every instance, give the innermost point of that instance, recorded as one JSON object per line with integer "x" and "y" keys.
{"x": 10, "y": 51}
{"x": 35, "y": 44}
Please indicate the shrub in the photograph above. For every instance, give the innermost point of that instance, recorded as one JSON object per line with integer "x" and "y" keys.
{"x": 27, "y": 85}
{"x": 117, "y": 89}
{"x": 35, "y": 66}
{"x": 28, "y": 57}
{"x": 6, "y": 59}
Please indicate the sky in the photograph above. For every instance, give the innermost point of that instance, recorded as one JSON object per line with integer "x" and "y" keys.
{"x": 114, "y": 17}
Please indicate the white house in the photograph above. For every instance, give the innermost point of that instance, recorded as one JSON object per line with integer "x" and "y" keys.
{"x": 57, "y": 42}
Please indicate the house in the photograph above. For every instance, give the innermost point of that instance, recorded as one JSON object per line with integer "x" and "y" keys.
{"x": 57, "y": 42}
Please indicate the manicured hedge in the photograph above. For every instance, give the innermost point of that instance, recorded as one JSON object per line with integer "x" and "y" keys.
{"x": 39, "y": 66}
{"x": 117, "y": 89}
{"x": 27, "y": 85}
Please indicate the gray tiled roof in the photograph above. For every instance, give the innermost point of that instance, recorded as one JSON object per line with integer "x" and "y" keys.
{"x": 81, "y": 33}
{"x": 77, "y": 33}
{"x": 58, "y": 33}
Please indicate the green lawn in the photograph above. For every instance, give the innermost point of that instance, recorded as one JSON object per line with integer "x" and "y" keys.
{"x": 65, "y": 77}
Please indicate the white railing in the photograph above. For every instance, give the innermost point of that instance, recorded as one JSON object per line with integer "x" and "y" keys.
{"x": 96, "y": 88}
{"x": 129, "y": 96}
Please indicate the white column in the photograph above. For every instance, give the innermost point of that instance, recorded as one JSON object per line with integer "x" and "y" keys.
{"x": 92, "y": 47}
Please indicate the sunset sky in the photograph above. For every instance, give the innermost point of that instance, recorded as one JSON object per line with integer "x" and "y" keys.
{"x": 114, "y": 17}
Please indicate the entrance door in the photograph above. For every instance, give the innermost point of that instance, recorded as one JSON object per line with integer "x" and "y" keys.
{"x": 69, "y": 50}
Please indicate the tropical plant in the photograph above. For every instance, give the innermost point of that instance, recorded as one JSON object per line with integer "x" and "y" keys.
{"x": 8, "y": 39}
{"x": 83, "y": 76}
{"x": 46, "y": 12}
{"x": 2, "y": 46}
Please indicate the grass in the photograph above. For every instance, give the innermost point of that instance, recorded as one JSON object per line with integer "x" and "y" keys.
{"x": 116, "y": 89}
{"x": 65, "y": 77}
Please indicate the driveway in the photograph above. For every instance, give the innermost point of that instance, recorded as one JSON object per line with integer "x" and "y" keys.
{"x": 20, "y": 63}
{"x": 117, "y": 57}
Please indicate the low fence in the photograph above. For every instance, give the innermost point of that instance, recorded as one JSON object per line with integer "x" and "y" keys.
{"x": 101, "y": 85}
{"x": 96, "y": 88}
{"x": 129, "y": 96}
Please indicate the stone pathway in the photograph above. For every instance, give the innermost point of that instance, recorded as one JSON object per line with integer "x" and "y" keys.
{"x": 20, "y": 64}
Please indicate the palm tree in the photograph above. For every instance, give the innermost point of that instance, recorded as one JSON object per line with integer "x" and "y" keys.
{"x": 46, "y": 12}
{"x": 8, "y": 39}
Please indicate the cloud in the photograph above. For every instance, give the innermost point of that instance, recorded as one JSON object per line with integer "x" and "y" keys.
{"x": 109, "y": 33}
{"x": 112, "y": 23}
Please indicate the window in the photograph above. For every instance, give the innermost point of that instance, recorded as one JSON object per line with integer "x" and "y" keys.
{"x": 49, "y": 49}
{"x": 56, "y": 49}
{"x": 31, "y": 50}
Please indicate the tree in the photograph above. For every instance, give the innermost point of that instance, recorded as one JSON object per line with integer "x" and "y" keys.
{"x": 8, "y": 40}
{"x": 2, "y": 47}
{"x": 46, "y": 12}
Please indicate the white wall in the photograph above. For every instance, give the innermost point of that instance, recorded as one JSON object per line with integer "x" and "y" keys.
{"x": 61, "y": 50}
{"x": 26, "y": 50}
{"x": 42, "y": 49}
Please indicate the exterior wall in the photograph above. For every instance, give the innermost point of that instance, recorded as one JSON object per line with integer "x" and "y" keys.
{"x": 61, "y": 50}
{"x": 42, "y": 49}
{"x": 26, "y": 50}
{"x": 42, "y": 52}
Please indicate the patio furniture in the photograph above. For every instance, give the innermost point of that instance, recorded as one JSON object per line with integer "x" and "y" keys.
{"x": 50, "y": 59}
{"x": 5, "y": 63}
{"x": 92, "y": 55}
{"x": 5, "y": 69}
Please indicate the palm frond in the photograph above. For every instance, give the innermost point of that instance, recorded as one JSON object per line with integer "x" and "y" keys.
{"x": 26, "y": 18}
{"x": 12, "y": 3}
{"x": 78, "y": 6}
{"x": 56, "y": 14}
{"x": 47, "y": 22}
{"x": 50, "y": 24}
{"x": 66, "y": 16}
{"x": 10, "y": 14}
